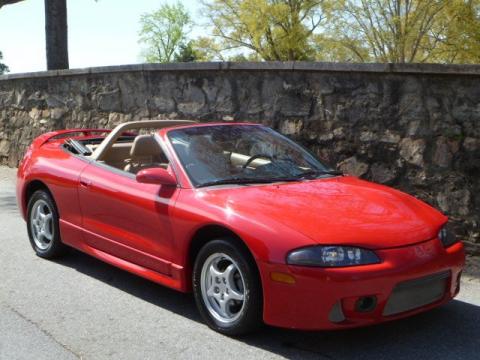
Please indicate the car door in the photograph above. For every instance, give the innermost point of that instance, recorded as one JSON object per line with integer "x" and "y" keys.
{"x": 125, "y": 218}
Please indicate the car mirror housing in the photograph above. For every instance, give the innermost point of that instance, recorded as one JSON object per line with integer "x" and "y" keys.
{"x": 157, "y": 176}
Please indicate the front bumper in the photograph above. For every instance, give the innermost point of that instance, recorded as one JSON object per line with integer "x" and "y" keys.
{"x": 328, "y": 298}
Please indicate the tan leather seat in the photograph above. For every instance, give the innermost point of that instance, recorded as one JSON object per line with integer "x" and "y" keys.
{"x": 145, "y": 153}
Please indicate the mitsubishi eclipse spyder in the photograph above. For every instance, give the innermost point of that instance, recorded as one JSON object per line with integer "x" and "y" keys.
{"x": 258, "y": 228}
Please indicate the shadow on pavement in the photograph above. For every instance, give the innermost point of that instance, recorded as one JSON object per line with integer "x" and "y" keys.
{"x": 448, "y": 332}
{"x": 177, "y": 302}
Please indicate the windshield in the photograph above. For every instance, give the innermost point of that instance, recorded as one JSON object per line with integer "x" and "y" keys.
{"x": 242, "y": 154}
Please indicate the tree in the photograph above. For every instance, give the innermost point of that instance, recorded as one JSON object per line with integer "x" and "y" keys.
{"x": 456, "y": 33}
{"x": 272, "y": 29}
{"x": 335, "y": 49}
{"x": 185, "y": 53}
{"x": 164, "y": 31}
{"x": 395, "y": 31}
{"x": 3, "y": 67}
{"x": 207, "y": 49}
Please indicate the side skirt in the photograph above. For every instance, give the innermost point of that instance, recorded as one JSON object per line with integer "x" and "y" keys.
{"x": 72, "y": 235}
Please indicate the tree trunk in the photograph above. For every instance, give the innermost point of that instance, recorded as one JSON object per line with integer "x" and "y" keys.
{"x": 56, "y": 34}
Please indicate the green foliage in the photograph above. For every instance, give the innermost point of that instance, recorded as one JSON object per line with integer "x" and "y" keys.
{"x": 207, "y": 49}
{"x": 239, "y": 57}
{"x": 3, "y": 67}
{"x": 400, "y": 31}
{"x": 164, "y": 31}
{"x": 185, "y": 53}
{"x": 390, "y": 30}
{"x": 397, "y": 31}
{"x": 272, "y": 29}
{"x": 456, "y": 34}
{"x": 339, "y": 49}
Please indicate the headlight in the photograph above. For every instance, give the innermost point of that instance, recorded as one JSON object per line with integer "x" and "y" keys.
{"x": 331, "y": 256}
{"x": 446, "y": 236}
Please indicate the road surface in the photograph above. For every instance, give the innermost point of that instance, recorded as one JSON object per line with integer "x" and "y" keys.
{"x": 81, "y": 308}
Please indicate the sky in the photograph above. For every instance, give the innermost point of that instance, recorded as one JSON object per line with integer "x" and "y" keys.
{"x": 100, "y": 33}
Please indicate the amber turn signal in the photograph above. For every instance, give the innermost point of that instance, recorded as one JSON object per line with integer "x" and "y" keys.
{"x": 282, "y": 277}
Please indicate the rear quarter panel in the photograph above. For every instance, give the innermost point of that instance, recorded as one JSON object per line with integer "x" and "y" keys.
{"x": 59, "y": 171}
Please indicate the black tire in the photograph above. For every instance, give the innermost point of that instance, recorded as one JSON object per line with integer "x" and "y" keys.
{"x": 55, "y": 248}
{"x": 250, "y": 318}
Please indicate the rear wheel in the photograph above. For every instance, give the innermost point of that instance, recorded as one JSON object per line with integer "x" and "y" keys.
{"x": 227, "y": 288}
{"x": 42, "y": 225}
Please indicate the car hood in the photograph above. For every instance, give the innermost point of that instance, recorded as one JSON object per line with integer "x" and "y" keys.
{"x": 338, "y": 210}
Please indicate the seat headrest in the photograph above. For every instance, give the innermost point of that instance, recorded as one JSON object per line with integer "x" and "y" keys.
{"x": 145, "y": 145}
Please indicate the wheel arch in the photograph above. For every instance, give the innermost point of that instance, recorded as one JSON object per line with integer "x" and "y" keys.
{"x": 30, "y": 189}
{"x": 208, "y": 233}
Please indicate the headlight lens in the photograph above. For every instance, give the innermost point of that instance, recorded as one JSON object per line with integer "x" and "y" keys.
{"x": 331, "y": 256}
{"x": 447, "y": 236}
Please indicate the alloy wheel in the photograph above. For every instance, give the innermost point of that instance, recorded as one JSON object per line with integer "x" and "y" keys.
{"x": 41, "y": 224}
{"x": 223, "y": 288}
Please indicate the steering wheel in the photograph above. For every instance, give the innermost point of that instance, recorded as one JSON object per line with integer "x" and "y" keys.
{"x": 256, "y": 156}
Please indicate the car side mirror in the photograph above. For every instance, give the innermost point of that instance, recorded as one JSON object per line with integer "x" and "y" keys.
{"x": 158, "y": 176}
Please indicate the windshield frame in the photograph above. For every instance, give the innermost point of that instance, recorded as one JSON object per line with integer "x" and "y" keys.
{"x": 197, "y": 185}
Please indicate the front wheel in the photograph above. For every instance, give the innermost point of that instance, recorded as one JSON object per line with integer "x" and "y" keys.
{"x": 227, "y": 288}
{"x": 42, "y": 225}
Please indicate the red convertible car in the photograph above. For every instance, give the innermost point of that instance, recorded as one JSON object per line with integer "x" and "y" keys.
{"x": 256, "y": 226}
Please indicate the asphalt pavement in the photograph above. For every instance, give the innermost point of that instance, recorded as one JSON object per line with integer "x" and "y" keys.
{"x": 81, "y": 308}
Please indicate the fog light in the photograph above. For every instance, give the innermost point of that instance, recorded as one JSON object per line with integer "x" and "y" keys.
{"x": 366, "y": 304}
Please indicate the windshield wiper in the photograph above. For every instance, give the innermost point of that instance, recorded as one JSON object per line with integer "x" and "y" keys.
{"x": 240, "y": 180}
{"x": 245, "y": 181}
{"x": 316, "y": 173}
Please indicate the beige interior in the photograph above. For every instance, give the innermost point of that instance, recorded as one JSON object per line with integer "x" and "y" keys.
{"x": 145, "y": 153}
{"x": 139, "y": 154}
{"x": 102, "y": 151}
{"x": 238, "y": 159}
{"x": 118, "y": 155}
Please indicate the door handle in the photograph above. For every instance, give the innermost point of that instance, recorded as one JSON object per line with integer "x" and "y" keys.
{"x": 85, "y": 183}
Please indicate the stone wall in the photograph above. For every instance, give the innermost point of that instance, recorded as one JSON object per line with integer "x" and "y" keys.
{"x": 414, "y": 127}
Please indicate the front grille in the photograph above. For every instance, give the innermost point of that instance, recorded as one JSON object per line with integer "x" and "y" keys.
{"x": 413, "y": 294}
